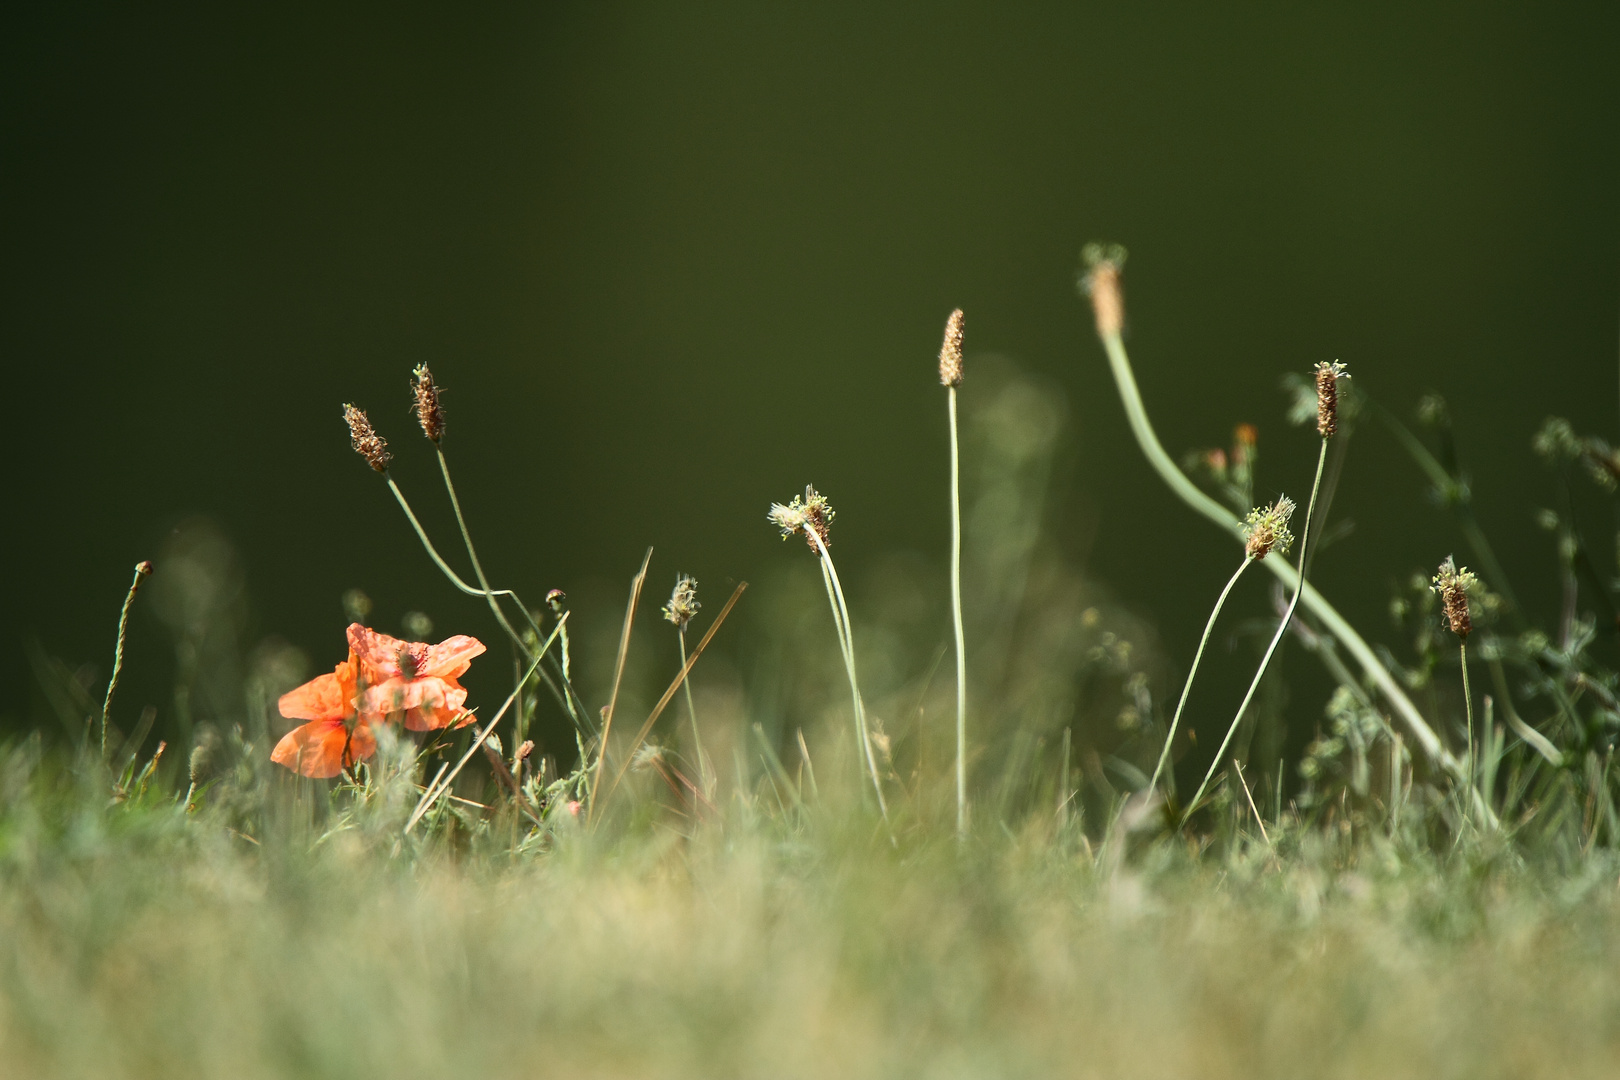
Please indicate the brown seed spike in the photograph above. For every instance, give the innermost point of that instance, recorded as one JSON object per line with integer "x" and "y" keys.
{"x": 950, "y": 353}
{"x": 365, "y": 440}
{"x": 1327, "y": 397}
{"x": 1453, "y": 583}
{"x": 429, "y": 413}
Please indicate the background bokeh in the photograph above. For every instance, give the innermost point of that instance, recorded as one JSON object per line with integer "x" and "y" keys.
{"x": 675, "y": 263}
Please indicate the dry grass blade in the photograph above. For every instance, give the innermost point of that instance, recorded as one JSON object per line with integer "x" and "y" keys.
{"x": 669, "y": 694}
{"x": 618, "y": 675}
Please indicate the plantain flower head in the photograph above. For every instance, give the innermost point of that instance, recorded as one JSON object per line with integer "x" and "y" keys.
{"x": 1100, "y": 281}
{"x": 1267, "y": 528}
{"x": 1327, "y": 397}
{"x": 950, "y": 352}
{"x": 809, "y": 514}
{"x": 425, "y": 403}
{"x": 365, "y": 440}
{"x": 683, "y": 602}
{"x": 1453, "y": 584}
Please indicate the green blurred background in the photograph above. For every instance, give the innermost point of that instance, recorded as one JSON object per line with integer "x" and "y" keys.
{"x": 674, "y": 262}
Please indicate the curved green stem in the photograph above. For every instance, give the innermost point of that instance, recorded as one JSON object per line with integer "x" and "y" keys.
{"x": 1276, "y": 638}
{"x": 1148, "y": 440}
{"x": 1164, "y": 755}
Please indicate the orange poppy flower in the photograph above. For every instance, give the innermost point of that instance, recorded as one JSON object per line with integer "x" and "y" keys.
{"x": 335, "y": 736}
{"x": 412, "y": 680}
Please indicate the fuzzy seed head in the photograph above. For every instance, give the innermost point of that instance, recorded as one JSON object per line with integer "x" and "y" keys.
{"x": 1453, "y": 584}
{"x": 950, "y": 353}
{"x": 429, "y": 413}
{"x": 810, "y": 513}
{"x": 1100, "y": 281}
{"x": 365, "y": 440}
{"x": 1327, "y": 397}
{"x": 1267, "y": 528}
{"x": 683, "y": 602}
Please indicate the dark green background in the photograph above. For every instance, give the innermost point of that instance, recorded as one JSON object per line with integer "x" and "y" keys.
{"x": 675, "y": 263}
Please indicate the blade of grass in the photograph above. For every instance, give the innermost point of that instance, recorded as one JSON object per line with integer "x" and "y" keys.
{"x": 618, "y": 675}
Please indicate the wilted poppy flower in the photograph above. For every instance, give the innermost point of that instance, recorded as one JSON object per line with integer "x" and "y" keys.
{"x": 412, "y": 680}
{"x": 335, "y": 737}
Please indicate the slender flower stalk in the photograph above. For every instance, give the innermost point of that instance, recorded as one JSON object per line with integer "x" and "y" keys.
{"x": 950, "y": 376}
{"x": 683, "y": 604}
{"x": 1192, "y": 673}
{"x": 1268, "y": 531}
{"x": 1327, "y": 378}
{"x": 143, "y": 570}
{"x": 430, "y": 415}
{"x": 813, "y": 516}
{"x": 1453, "y": 584}
{"x": 1100, "y": 283}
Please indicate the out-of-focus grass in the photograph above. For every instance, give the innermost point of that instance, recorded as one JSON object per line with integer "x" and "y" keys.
{"x": 143, "y": 942}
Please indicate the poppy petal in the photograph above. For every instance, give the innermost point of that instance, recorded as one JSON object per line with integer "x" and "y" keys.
{"x": 378, "y": 652}
{"x": 325, "y": 697}
{"x": 399, "y": 695}
{"x": 452, "y": 656}
{"x": 322, "y": 748}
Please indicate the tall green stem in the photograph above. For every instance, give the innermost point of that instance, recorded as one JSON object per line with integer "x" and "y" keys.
{"x": 1164, "y": 755}
{"x": 956, "y": 612}
{"x": 1276, "y": 638}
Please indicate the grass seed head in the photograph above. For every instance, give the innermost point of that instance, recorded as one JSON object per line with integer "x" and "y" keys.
{"x": 365, "y": 440}
{"x": 683, "y": 602}
{"x": 1327, "y": 397}
{"x": 1267, "y": 528}
{"x": 1100, "y": 281}
{"x": 950, "y": 353}
{"x": 429, "y": 412}
{"x": 1453, "y": 584}
{"x": 809, "y": 513}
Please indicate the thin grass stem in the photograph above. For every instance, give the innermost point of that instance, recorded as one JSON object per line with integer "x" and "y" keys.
{"x": 846, "y": 638}
{"x": 956, "y": 614}
{"x": 142, "y": 569}
{"x": 1276, "y": 638}
{"x": 472, "y": 553}
{"x": 1209, "y": 627}
{"x": 618, "y": 676}
{"x": 1468, "y": 708}
{"x": 691, "y": 712}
